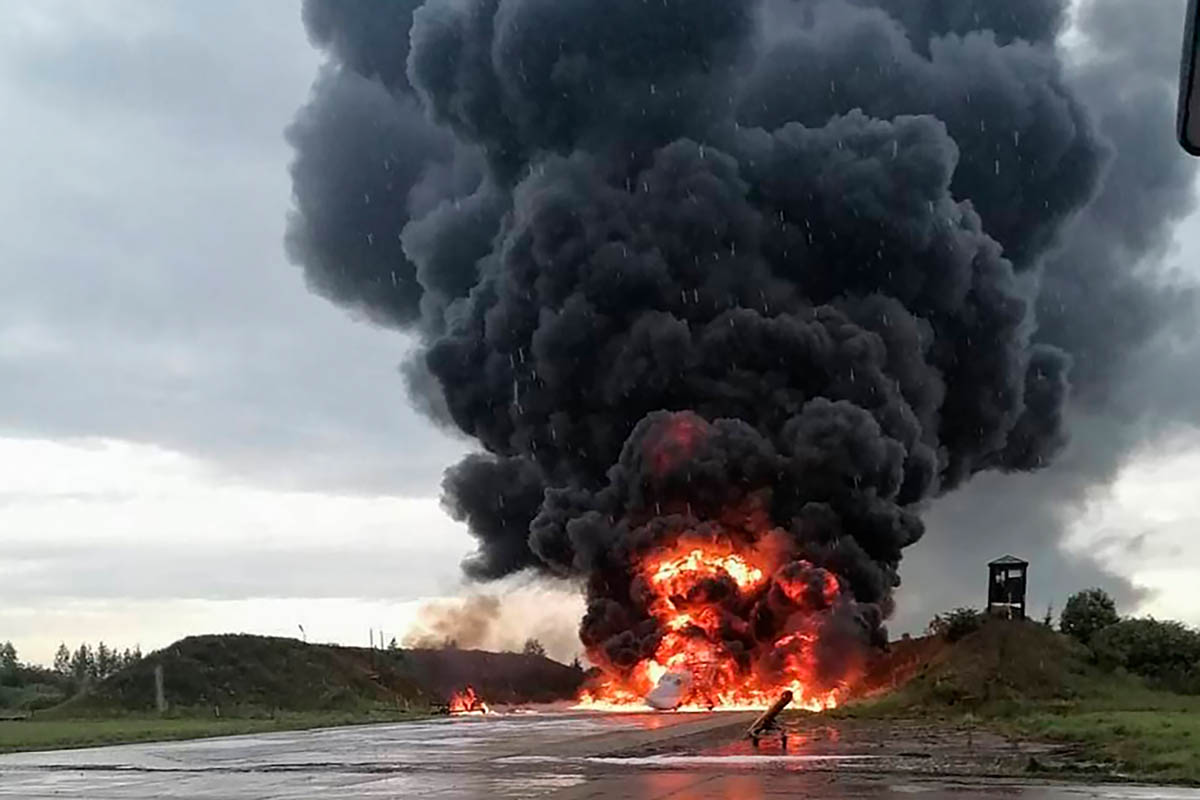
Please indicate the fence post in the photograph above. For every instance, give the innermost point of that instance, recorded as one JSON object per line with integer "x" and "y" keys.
{"x": 160, "y": 696}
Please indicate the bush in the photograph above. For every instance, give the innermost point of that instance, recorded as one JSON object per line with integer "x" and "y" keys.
{"x": 1166, "y": 652}
{"x": 954, "y": 625}
{"x": 1086, "y": 613}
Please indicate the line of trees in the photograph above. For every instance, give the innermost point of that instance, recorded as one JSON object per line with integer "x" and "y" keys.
{"x": 26, "y": 687}
{"x": 86, "y": 663}
{"x": 1165, "y": 651}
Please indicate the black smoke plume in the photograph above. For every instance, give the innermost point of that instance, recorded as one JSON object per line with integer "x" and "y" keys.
{"x": 682, "y": 265}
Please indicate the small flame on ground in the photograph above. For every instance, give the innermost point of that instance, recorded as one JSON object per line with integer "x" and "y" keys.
{"x": 468, "y": 701}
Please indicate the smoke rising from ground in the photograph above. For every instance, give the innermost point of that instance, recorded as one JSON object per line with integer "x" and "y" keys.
{"x": 789, "y": 269}
{"x": 485, "y": 622}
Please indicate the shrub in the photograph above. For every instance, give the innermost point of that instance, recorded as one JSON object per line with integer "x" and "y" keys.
{"x": 1165, "y": 651}
{"x": 954, "y": 625}
{"x": 1087, "y": 613}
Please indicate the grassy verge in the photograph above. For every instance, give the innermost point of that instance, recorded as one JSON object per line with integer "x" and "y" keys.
{"x": 1158, "y": 745}
{"x": 1122, "y": 729}
{"x": 57, "y": 734}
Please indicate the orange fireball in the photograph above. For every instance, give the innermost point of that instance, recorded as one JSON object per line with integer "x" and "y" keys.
{"x": 698, "y": 593}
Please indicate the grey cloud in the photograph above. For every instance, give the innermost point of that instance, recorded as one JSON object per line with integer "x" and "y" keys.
{"x": 35, "y": 575}
{"x": 145, "y": 294}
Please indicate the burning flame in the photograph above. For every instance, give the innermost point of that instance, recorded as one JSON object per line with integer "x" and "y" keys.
{"x": 468, "y": 701}
{"x": 689, "y": 590}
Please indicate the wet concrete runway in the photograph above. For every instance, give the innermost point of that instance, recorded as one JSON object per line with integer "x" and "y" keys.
{"x": 556, "y": 756}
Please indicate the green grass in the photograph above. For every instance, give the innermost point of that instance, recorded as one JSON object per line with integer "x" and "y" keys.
{"x": 1160, "y": 745}
{"x": 1131, "y": 731}
{"x": 38, "y": 734}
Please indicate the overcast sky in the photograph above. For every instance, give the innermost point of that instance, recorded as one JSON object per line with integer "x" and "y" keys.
{"x": 191, "y": 442}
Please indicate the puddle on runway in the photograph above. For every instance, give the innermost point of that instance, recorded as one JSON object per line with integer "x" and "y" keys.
{"x": 674, "y": 761}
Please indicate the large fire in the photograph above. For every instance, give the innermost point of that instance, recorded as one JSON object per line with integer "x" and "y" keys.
{"x": 703, "y": 596}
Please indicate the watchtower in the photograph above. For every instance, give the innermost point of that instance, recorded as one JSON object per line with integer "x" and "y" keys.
{"x": 1006, "y": 587}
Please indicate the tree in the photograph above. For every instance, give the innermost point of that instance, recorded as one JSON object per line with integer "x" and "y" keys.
{"x": 1087, "y": 613}
{"x": 106, "y": 661}
{"x": 127, "y": 658}
{"x": 83, "y": 664}
{"x": 8, "y": 663}
{"x": 1165, "y": 651}
{"x": 62, "y": 660}
{"x": 533, "y": 648}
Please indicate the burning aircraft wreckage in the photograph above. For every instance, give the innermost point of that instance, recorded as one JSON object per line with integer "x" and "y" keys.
{"x": 724, "y": 290}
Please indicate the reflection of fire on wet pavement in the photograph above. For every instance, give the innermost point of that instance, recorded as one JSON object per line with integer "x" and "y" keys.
{"x": 909, "y": 747}
{"x": 556, "y": 755}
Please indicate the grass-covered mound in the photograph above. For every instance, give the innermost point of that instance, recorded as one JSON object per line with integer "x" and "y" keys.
{"x": 1026, "y": 680}
{"x": 240, "y": 674}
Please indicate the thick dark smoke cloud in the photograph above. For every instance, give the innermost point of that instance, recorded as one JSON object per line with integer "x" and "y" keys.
{"x": 369, "y": 162}
{"x": 1029, "y": 20}
{"x": 570, "y": 74}
{"x": 352, "y": 199}
{"x": 367, "y": 36}
{"x": 807, "y": 236}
